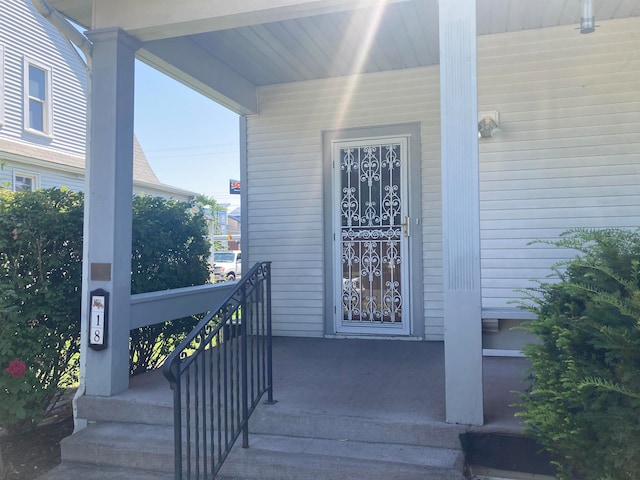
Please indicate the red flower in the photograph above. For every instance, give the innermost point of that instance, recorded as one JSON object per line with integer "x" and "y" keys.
{"x": 16, "y": 368}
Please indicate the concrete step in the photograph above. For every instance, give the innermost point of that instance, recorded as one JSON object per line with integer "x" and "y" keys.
{"x": 274, "y": 457}
{"x": 79, "y": 471}
{"x": 145, "y": 449}
{"x": 270, "y": 419}
{"x": 281, "y": 420}
{"x": 125, "y": 408}
{"x": 127, "y": 445}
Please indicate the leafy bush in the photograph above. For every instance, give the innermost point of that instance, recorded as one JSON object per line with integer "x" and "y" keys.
{"x": 40, "y": 290}
{"x": 584, "y": 403}
{"x": 170, "y": 250}
{"x": 23, "y": 399}
{"x": 40, "y": 279}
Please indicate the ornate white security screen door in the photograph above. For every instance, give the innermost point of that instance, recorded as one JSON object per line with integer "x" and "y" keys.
{"x": 371, "y": 236}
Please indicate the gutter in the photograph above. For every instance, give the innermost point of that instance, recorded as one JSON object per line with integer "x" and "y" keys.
{"x": 65, "y": 27}
{"x": 78, "y": 39}
{"x": 169, "y": 189}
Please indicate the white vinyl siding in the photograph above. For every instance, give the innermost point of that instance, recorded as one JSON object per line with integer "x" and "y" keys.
{"x": 2, "y": 90}
{"x": 44, "y": 177}
{"x": 569, "y": 152}
{"x": 568, "y": 156}
{"x": 284, "y": 174}
{"x": 28, "y": 38}
{"x": 57, "y": 179}
{"x": 54, "y": 148}
{"x": 73, "y": 179}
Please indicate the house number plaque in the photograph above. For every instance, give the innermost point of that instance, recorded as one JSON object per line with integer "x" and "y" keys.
{"x": 99, "y": 319}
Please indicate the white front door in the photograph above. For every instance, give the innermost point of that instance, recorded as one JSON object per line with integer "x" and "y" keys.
{"x": 371, "y": 232}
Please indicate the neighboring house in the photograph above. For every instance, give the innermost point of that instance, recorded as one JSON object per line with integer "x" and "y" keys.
{"x": 43, "y": 83}
{"x": 234, "y": 220}
{"x": 224, "y": 230}
{"x": 364, "y": 178}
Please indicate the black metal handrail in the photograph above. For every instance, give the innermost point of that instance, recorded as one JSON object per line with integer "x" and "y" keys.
{"x": 218, "y": 375}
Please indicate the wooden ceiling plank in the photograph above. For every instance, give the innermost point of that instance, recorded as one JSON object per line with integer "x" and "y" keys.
{"x": 626, "y": 8}
{"x": 320, "y": 43}
{"x": 301, "y": 46}
{"x": 570, "y": 13}
{"x": 422, "y": 18}
{"x": 605, "y": 10}
{"x": 287, "y": 51}
{"x": 393, "y": 36}
{"x": 366, "y": 42}
{"x": 233, "y": 50}
{"x": 517, "y": 15}
{"x": 552, "y": 10}
{"x": 499, "y": 15}
{"x": 533, "y": 14}
{"x": 331, "y": 31}
{"x": 273, "y": 60}
{"x": 416, "y": 39}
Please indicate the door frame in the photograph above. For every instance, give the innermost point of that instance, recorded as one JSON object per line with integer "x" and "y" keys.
{"x": 366, "y": 328}
{"x": 415, "y": 291}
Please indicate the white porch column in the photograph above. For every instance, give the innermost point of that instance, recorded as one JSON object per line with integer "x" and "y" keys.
{"x": 108, "y": 204}
{"x": 460, "y": 212}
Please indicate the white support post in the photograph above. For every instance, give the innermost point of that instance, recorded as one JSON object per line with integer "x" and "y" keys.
{"x": 461, "y": 212}
{"x": 108, "y": 207}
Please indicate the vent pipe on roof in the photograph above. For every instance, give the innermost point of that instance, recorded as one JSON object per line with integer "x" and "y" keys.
{"x": 587, "y": 21}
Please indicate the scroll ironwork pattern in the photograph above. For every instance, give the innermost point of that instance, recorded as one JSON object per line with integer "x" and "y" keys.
{"x": 371, "y": 232}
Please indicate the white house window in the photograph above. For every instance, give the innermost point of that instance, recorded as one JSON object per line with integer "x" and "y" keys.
{"x": 25, "y": 182}
{"x": 37, "y": 99}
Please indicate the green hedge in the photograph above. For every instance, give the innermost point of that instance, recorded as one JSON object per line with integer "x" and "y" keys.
{"x": 584, "y": 403}
{"x": 40, "y": 290}
{"x": 170, "y": 250}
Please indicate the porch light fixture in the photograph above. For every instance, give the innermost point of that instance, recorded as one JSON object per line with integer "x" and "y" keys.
{"x": 488, "y": 124}
{"x": 587, "y": 21}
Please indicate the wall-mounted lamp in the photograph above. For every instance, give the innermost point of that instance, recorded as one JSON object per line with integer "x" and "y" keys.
{"x": 587, "y": 21}
{"x": 488, "y": 124}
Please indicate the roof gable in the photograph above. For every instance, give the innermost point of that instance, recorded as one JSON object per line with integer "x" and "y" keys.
{"x": 142, "y": 171}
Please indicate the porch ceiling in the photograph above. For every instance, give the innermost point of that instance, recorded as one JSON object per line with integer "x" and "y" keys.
{"x": 227, "y": 64}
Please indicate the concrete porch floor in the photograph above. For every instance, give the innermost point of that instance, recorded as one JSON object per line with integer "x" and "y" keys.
{"x": 399, "y": 381}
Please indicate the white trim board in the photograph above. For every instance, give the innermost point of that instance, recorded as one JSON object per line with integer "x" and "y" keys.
{"x": 495, "y": 352}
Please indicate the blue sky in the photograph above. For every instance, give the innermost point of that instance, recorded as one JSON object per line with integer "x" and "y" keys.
{"x": 190, "y": 141}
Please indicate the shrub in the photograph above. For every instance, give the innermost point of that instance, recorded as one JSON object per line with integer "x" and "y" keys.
{"x": 170, "y": 250}
{"x": 22, "y": 397}
{"x": 584, "y": 403}
{"x": 40, "y": 290}
{"x": 40, "y": 279}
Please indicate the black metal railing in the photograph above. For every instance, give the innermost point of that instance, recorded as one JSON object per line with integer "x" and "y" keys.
{"x": 218, "y": 375}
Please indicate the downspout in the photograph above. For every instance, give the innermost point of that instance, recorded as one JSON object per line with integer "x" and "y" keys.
{"x": 84, "y": 44}
{"x": 62, "y": 24}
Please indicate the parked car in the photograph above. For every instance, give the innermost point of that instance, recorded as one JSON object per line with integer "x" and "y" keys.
{"x": 227, "y": 265}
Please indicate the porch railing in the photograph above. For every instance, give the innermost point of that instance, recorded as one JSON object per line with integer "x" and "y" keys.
{"x": 218, "y": 375}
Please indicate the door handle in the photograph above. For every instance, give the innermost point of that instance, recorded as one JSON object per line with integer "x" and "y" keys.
{"x": 405, "y": 226}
